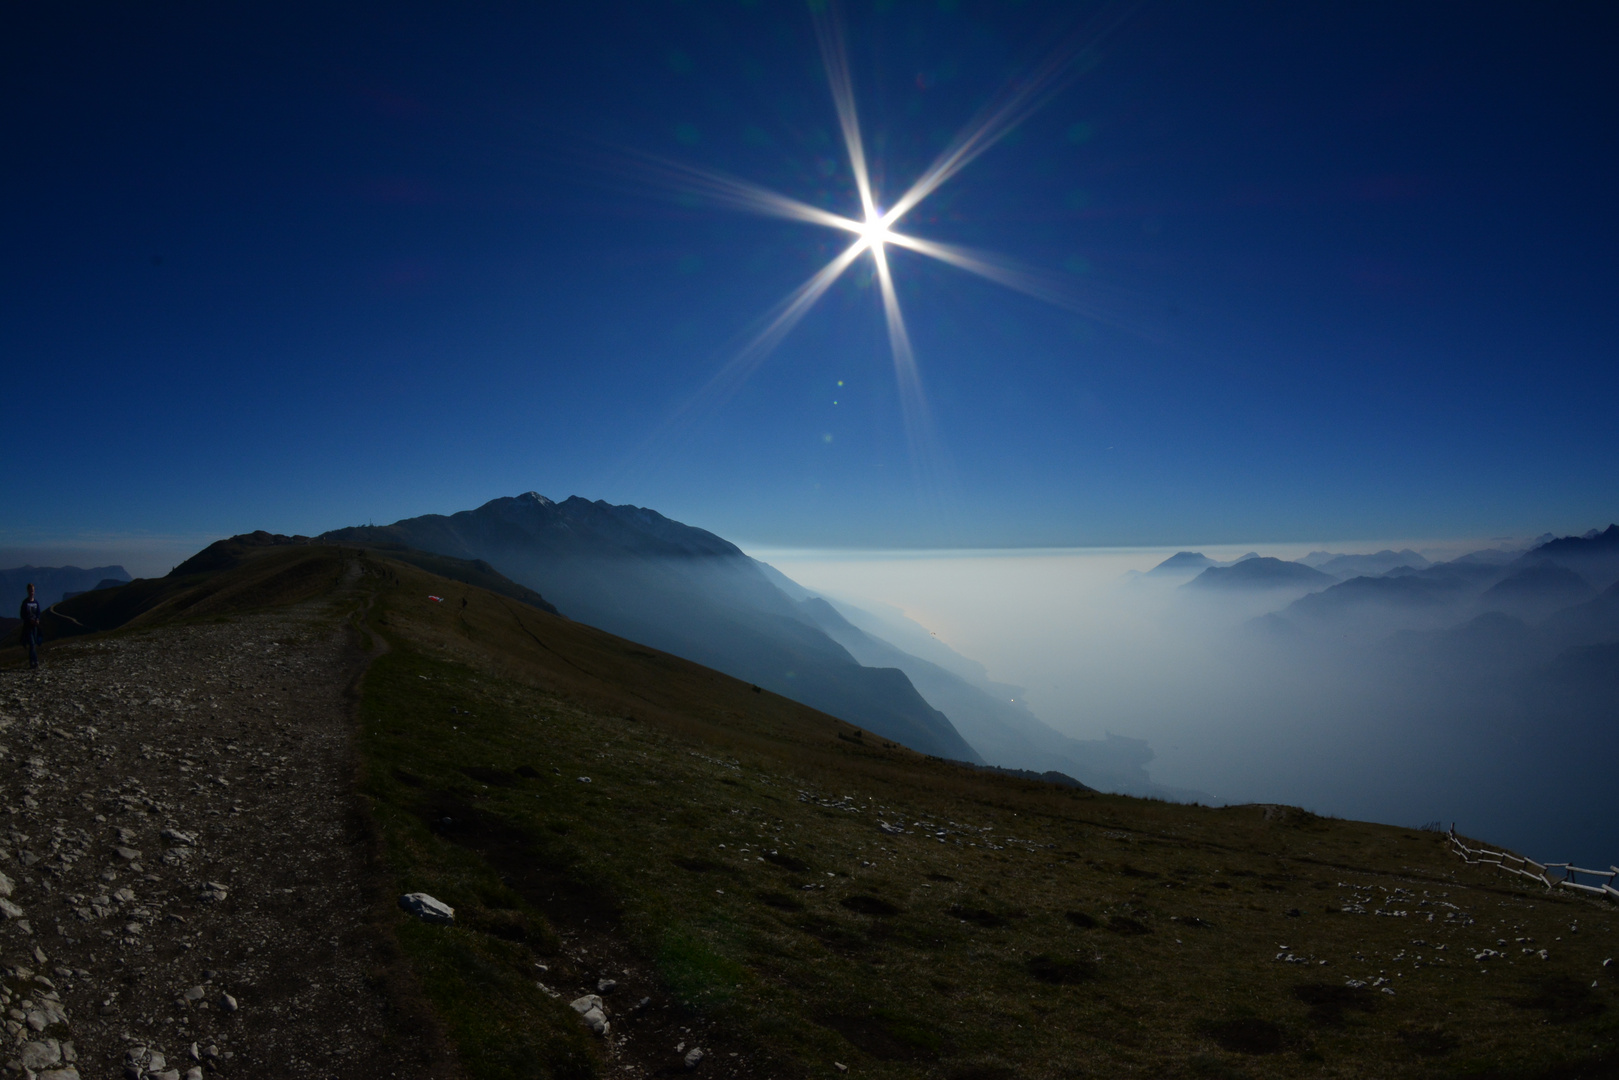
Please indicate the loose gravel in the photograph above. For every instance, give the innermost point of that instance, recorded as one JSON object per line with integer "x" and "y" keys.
{"x": 188, "y": 877}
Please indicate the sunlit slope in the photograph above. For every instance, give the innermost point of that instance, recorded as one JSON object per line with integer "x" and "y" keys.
{"x": 595, "y": 809}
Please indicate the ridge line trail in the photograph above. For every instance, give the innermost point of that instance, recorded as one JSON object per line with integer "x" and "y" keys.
{"x": 149, "y": 765}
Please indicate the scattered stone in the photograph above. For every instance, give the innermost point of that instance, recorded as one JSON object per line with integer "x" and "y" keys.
{"x": 589, "y": 1008}
{"x": 212, "y": 892}
{"x": 196, "y": 993}
{"x": 840, "y": 1066}
{"x": 227, "y": 1003}
{"x": 5, "y": 885}
{"x": 606, "y": 986}
{"x": 427, "y": 908}
{"x": 194, "y": 1073}
{"x": 40, "y": 1055}
{"x": 584, "y": 779}
{"x": 694, "y": 1057}
{"x": 128, "y": 854}
{"x": 175, "y": 836}
{"x": 10, "y": 910}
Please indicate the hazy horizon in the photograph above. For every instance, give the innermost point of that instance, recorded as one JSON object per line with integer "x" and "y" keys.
{"x": 1342, "y": 730}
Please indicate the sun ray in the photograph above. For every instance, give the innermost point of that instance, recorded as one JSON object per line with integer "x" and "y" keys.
{"x": 1040, "y": 286}
{"x": 737, "y": 194}
{"x": 873, "y": 232}
{"x": 778, "y": 323}
{"x": 927, "y": 455}
{"x": 835, "y": 57}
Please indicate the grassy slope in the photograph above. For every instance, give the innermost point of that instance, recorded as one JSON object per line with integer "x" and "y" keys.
{"x": 1050, "y": 933}
{"x": 727, "y": 851}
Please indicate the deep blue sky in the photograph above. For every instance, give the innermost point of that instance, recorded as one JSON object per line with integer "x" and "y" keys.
{"x": 299, "y": 266}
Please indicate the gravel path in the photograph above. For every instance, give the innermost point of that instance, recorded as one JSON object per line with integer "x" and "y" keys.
{"x": 189, "y": 892}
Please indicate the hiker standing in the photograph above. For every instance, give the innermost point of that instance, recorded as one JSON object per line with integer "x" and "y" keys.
{"x": 30, "y": 626}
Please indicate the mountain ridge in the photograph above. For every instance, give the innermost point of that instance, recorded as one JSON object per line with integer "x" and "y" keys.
{"x": 645, "y": 577}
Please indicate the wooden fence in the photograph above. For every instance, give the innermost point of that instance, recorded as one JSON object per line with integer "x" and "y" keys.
{"x": 1541, "y": 872}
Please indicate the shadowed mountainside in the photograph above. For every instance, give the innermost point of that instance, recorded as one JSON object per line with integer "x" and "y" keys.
{"x": 637, "y": 574}
{"x": 999, "y": 727}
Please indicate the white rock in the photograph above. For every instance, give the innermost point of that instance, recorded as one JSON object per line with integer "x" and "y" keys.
{"x": 10, "y": 910}
{"x": 69, "y": 1073}
{"x": 5, "y": 885}
{"x": 426, "y": 908}
{"x": 589, "y": 1008}
{"x": 693, "y": 1056}
{"x": 38, "y": 1055}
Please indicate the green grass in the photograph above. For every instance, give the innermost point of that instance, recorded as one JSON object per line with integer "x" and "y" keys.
{"x": 728, "y": 844}
{"x": 725, "y": 859}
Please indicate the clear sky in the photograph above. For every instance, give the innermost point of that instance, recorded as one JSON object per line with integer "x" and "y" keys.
{"x": 1341, "y": 270}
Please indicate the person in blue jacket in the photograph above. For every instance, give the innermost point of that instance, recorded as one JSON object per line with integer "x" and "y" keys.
{"x": 30, "y": 626}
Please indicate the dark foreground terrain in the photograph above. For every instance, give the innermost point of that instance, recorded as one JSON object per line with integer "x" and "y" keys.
{"x": 225, "y": 796}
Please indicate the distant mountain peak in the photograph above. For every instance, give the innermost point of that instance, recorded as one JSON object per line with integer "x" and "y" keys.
{"x": 1260, "y": 572}
{"x": 1183, "y": 562}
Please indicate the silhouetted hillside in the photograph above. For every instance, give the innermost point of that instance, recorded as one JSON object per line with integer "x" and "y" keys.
{"x": 635, "y": 573}
{"x": 51, "y": 583}
{"x": 1380, "y": 562}
{"x": 1595, "y": 556}
{"x": 1537, "y": 591}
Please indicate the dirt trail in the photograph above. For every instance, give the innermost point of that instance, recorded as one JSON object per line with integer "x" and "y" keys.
{"x": 178, "y": 826}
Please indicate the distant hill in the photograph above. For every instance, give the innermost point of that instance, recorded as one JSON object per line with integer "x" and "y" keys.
{"x": 1595, "y": 622}
{"x": 1536, "y": 591}
{"x": 1182, "y": 564}
{"x": 52, "y": 583}
{"x": 1380, "y": 562}
{"x": 635, "y": 573}
{"x": 1594, "y": 556}
{"x": 1260, "y": 572}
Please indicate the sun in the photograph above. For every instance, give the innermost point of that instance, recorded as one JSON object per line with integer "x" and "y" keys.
{"x": 873, "y": 230}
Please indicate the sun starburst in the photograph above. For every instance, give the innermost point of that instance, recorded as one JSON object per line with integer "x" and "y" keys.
{"x": 873, "y": 229}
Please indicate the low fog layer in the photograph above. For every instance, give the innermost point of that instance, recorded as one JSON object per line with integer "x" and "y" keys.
{"x": 1401, "y": 683}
